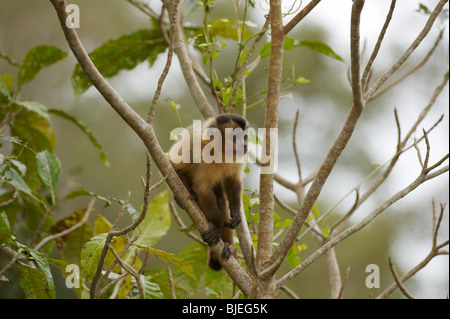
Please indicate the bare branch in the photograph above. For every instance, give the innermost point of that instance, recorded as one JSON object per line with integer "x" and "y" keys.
{"x": 172, "y": 286}
{"x": 336, "y": 149}
{"x": 265, "y": 233}
{"x": 180, "y": 48}
{"x": 180, "y": 222}
{"x": 344, "y": 281}
{"x": 374, "y": 88}
{"x": 299, "y": 17}
{"x": 363, "y": 223}
{"x": 398, "y": 280}
{"x": 418, "y": 66}
{"x": 294, "y": 146}
{"x": 173, "y": 21}
{"x": 69, "y": 230}
{"x": 376, "y": 49}
{"x": 244, "y": 65}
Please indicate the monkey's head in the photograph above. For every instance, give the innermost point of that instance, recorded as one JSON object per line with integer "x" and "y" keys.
{"x": 233, "y": 130}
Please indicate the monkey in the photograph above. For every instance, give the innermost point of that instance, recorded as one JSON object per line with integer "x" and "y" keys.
{"x": 214, "y": 179}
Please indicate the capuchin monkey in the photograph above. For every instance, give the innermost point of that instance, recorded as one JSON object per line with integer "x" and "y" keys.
{"x": 210, "y": 163}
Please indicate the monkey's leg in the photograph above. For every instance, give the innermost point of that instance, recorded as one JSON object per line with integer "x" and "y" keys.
{"x": 233, "y": 190}
{"x": 208, "y": 203}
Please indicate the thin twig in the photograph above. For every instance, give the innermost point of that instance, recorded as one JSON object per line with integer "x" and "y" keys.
{"x": 180, "y": 222}
{"x": 388, "y": 86}
{"x": 398, "y": 280}
{"x": 336, "y": 149}
{"x": 433, "y": 16}
{"x": 344, "y": 281}
{"x": 376, "y": 49}
{"x": 171, "y": 283}
{"x": 68, "y": 230}
{"x": 299, "y": 17}
{"x": 173, "y": 22}
{"x": 294, "y": 146}
{"x": 363, "y": 223}
{"x": 146, "y": 132}
{"x": 244, "y": 65}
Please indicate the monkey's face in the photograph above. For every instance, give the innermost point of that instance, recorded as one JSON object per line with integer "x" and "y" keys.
{"x": 228, "y": 132}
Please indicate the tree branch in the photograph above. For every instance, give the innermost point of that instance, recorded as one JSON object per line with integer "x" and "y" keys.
{"x": 182, "y": 52}
{"x": 360, "y": 225}
{"x": 173, "y": 21}
{"x": 374, "y": 88}
{"x": 265, "y": 233}
{"x": 398, "y": 281}
{"x": 299, "y": 17}
{"x": 376, "y": 49}
{"x": 435, "y": 251}
{"x": 336, "y": 149}
{"x": 147, "y": 135}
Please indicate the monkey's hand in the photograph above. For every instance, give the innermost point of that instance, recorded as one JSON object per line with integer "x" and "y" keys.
{"x": 234, "y": 222}
{"x": 212, "y": 235}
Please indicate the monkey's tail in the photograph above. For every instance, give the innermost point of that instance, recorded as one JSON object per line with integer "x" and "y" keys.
{"x": 213, "y": 262}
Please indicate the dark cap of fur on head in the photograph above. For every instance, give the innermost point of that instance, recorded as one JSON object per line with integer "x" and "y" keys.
{"x": 225, "y": 118}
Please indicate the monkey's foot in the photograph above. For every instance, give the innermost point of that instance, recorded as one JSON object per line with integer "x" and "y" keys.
{"x": 233, "y": 223}
{"x": 212, "y": 235}
{"x": 227, "y": 251}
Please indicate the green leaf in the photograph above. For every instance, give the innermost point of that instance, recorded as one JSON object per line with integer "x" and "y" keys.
{"x": 156, "y": 222}
{"x": 44, "y": 266}
{"x": 71, "y": 252}
{"x": 292, "y": 258}
{"x": 5, "y": 95}
{"x": 90, "y": 255}
{"x": 34, "y": 107}
{"x": 34, "y": 283}
{"x": 265, "y": 52}
{"x": 285, "y": 223}
{"x": 12, "y": 177}
{"x": 423, "y": 8}
{"x": 289, "y": 43}
{"x": 124, "y": 53}
{"x": 82, "y": 192}
{"x": 85, "y": 129}
{"x": 301, "y": 80}
{"x": 36, "y": 59}
{"x": 170, "y": 259}
{"x": 129, "y": 208}
{"x": 226, "y": 28}
{"x": 151, "y": 290}
{"x": 5, "y": 232}
{"x": 320, "y": 47}
{"x": 48, "y": 167}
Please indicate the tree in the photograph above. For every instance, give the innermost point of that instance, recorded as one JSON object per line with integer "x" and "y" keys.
{"x": 110, "y": 259}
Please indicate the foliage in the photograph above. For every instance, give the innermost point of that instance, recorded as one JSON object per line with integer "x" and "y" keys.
{"x": 29, "y": 183}
{"x": 107, "y": 259}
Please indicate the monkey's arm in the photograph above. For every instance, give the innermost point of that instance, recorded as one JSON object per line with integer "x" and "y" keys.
{"x": 187, "y": 181}
{"x": 233, "y": 190}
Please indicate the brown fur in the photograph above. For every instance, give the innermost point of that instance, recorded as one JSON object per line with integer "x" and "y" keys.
{"x": 216, "y": 186}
